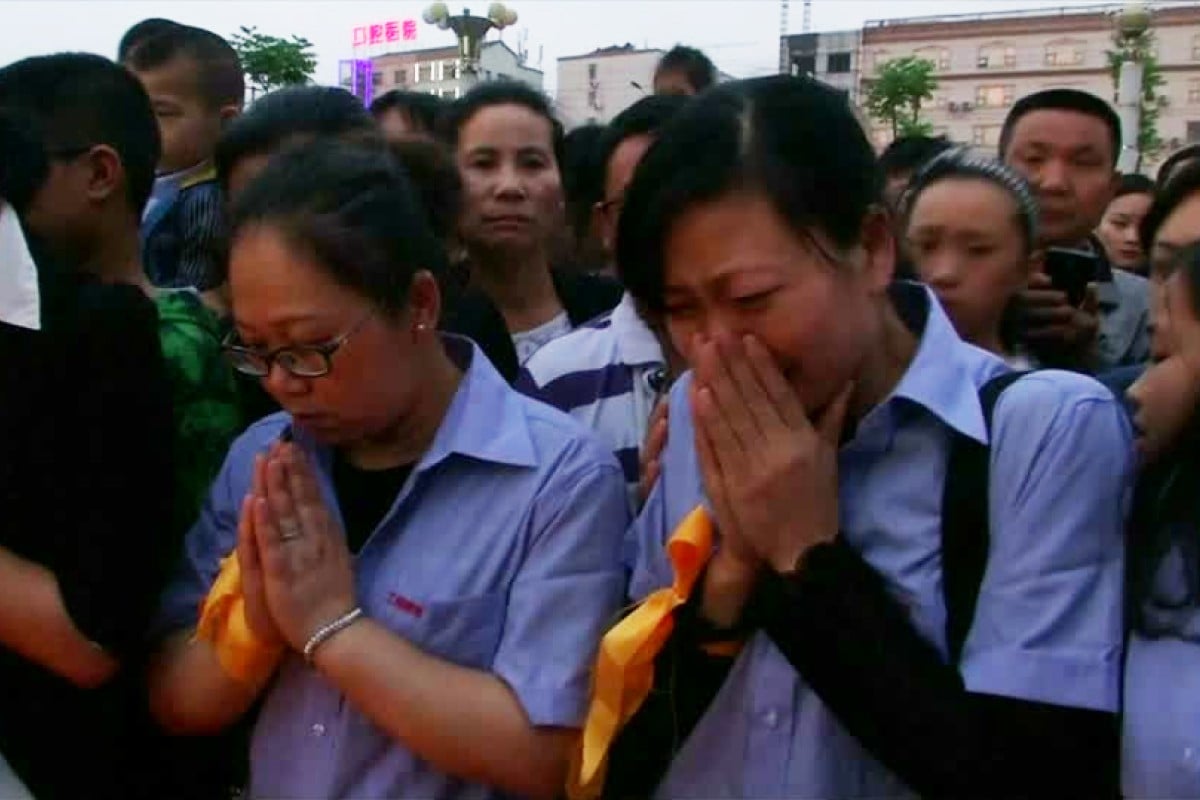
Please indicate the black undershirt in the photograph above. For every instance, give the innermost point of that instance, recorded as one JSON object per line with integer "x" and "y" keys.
{"x": 365, "y": 496}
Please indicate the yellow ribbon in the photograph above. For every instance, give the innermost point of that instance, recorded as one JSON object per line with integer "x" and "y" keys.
{"x": 624, "y": 672}
{"x": 223, "y": 623}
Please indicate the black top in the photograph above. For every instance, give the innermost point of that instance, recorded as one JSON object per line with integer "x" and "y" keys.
{"x": 472, "y": 313}
{"x": 85, "y": 487}
{"x": 365, "y": 496}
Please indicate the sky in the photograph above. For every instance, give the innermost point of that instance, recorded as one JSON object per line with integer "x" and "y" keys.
{"x": 741, "y": 36}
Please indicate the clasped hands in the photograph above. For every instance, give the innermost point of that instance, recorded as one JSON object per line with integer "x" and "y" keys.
{"x": 296, "y": 569}
{"x": 769, "y": 469}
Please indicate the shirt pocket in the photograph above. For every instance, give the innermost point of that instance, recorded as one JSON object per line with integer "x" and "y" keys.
{"x": 463, "y": 630}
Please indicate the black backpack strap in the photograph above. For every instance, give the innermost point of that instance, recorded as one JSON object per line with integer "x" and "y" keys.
{"x": 965, "y": 528}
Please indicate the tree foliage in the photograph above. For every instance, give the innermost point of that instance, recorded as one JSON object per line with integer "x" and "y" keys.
{"x": 1142, "y": 48}
{"x": 897, "y": 92}
{"x": 271, "y": 62}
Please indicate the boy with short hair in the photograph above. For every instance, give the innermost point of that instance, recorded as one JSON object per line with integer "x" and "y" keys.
{"x": 85, "y": 429}
{"x": 196, "y": 85}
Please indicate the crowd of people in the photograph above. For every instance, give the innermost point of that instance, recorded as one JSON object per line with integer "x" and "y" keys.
{"x": 429, "y": 450}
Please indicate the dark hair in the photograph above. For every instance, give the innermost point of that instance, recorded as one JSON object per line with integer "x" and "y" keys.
{"x": 502, "y": 93}
{"x": 698, "y": 68}
{"x": 421, "y": 108}
{"x": 582, "y": 177}
{"x": 77, "y": 100}
{"x": 435, "y": 177}
{"x": 646, "y": 117}
{"x": 146, "y": 29}
{"x": 292, "y": 113}
{"x": 354, "y": 210}
{"x": 1175, "y": 161}
{"x": 964, "y": 163}
{"x": 1134, "y": 183}
{"x": 23, "y": 160}
{"x": 757, "y": 135}
{"x": 219, "y": 77}
{"x": 1182, "y": 185}
{"x": 1063, "y": 100}
{"x": 907, "y": 154}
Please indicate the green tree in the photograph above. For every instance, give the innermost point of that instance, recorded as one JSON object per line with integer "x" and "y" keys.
{"x": 271, "y": 62}
{"x": 1142, "y": 48}
{"x": 896, "y": 93}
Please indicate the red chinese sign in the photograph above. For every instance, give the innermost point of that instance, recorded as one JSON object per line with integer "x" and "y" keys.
{"x": 388, "y": 32}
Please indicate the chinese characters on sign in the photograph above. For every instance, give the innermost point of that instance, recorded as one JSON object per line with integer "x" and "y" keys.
{"x": 385, "y": 32}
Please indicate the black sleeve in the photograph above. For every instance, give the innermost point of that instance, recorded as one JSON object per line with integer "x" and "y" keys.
{"x": 686, "y": 680}
{"x": 117, "y": 477}
{"x": 856, "y": 647}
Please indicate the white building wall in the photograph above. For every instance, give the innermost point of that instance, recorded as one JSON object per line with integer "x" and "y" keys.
{"x": 597, "y": 88}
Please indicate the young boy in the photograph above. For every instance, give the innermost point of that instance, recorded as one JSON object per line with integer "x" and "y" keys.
{"x": 196, "y": 85}
{"x": 102, "y": 141}
{"x": 85, "y": 432}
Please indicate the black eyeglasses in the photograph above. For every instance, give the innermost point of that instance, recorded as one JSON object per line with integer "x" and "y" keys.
{"x": 302, "y": 361}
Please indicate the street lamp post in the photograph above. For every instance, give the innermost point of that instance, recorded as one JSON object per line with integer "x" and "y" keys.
{"x": 1132, "y": 23}
{"x": 470, "y": 31}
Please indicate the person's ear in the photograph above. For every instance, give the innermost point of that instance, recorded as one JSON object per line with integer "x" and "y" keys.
{"x": 424, "y": 303}
{"x": 106, "y": 173}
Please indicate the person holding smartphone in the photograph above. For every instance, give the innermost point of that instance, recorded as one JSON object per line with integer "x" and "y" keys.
{"x": 1066, "y": 142}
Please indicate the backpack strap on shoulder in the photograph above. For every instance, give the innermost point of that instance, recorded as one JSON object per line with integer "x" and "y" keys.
{"x": 965, "y": 526}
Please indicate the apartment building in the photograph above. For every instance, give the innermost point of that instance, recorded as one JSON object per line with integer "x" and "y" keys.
{"x": 596, "y": 86}
{"x": 436, "y": 70}
{"x": 985, "y": 62}
{"x": 831, "y": 57}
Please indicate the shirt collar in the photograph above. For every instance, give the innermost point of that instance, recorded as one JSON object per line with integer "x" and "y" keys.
{"x": 485, "y": 420}
{"x": 20, "y": 300}
{"x": 939, "y": 378}
{"x": 636, "y": 343}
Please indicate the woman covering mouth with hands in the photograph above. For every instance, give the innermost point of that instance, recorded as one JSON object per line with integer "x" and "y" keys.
{"x": 814, "y": 433}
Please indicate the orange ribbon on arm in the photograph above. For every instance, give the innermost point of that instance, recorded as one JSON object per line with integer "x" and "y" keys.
{"x": 624, "y": 673}
{"x": 223, "y": 623}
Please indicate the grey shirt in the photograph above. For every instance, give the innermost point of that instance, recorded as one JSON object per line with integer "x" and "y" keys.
{"x": 1124, "y": 301}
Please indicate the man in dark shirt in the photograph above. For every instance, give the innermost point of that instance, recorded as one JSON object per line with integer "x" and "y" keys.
{"x": 85, "y": 429}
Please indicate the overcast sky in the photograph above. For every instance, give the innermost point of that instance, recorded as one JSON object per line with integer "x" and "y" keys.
{"x": 740, "y": 35}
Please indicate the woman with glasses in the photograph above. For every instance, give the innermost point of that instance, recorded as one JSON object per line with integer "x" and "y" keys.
{"x": 425, "y": 559}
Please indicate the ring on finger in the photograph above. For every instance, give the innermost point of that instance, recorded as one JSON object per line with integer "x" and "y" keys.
{"x": 289, "y": 529}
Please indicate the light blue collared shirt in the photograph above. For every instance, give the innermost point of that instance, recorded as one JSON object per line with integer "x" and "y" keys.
{"x": 1048, "y": 625}
{"x": 501, "y": 554}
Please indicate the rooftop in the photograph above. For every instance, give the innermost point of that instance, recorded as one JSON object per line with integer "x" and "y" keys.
{"x": 988, "y": 16}
{"x": 615, "y": 50}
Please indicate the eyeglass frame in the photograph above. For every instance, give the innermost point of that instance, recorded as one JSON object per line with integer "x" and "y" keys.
{"x": 326, "y": 351}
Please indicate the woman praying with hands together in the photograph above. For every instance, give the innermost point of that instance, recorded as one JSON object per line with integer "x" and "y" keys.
{"x": 412, "y": 564}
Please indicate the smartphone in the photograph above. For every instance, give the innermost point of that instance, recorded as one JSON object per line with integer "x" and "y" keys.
{"x": 1070, "y": 271}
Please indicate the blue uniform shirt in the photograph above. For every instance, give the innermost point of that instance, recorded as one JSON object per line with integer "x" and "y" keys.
{"x": 501, "y": 553}
{"x": 1049, "y": 622}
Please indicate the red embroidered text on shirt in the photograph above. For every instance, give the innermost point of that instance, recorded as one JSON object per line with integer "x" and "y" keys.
{"x": 402, "y": 603}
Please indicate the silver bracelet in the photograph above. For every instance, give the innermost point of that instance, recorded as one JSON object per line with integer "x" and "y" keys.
{"x": 326, "y": 632}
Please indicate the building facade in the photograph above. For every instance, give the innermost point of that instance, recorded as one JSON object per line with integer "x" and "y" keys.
{"x": 436, "y": 70}
{"x": 599, "y": 85}
{"x": 831, "y": 57}
{"x": 985, "y": 62}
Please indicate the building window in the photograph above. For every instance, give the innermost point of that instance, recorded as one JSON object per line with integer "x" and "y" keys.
{"x": 1194, "y": 92}
{"x": 437, "y": 71}
{"x": 940, "y": 57}
{"x": 376, "y": 78}
{"x": 1065, "y": 54}
{"x": 451, "y": 70}
{"x": 994, "y": 96}
{"x": 416, "y": 73}
{"x": 1193, "y": 132}
{"x": 591, "y": 72}
{"x": 1196, "y": 47}
{"x": 838, "y": 63}
{"x": 401, "y": 76}
{"x": 804, "y": 65}
{"x": 985, "y": 135}
{"x": 996, "y": 56}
